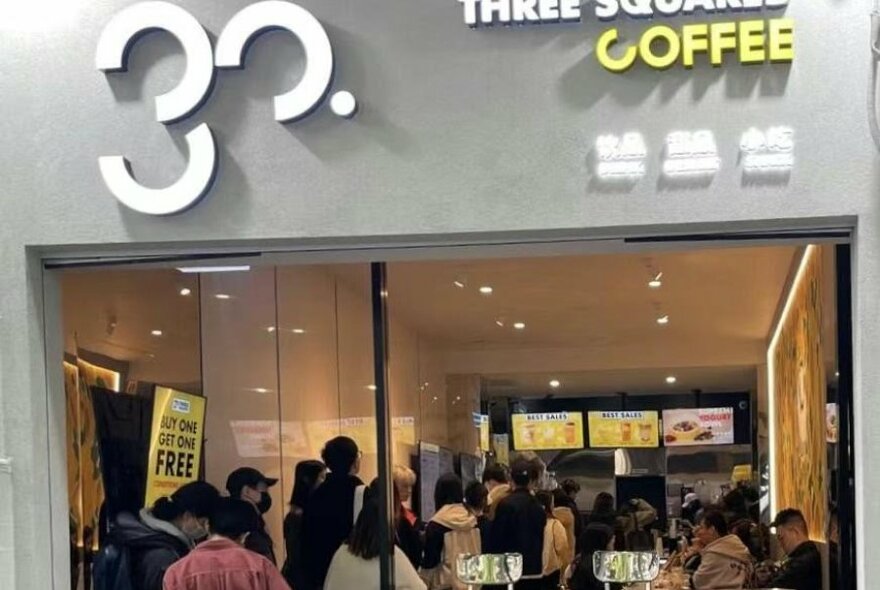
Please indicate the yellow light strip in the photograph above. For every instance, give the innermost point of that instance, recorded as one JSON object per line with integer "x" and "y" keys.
{"x": 771, "y": 370}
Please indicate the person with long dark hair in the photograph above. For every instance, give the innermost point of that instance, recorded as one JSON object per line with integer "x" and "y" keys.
{"x": 557, "y": 554}
{"x": 307, "y": 476}
{"x": 356, "y": 564}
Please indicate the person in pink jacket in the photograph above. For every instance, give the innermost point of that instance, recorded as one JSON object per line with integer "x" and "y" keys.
{"x": 222, "y": 562}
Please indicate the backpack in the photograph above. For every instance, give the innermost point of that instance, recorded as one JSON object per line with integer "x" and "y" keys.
{"x": 112, "y": 568}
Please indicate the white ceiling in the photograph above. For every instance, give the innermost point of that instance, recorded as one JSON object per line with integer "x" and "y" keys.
{"x": 632, "y": 381}
{"x": 590, "y": 320}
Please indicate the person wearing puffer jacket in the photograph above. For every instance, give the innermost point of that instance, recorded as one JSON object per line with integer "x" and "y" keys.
{"x": 451, "y": 532}
{"x": 726, "y": 563}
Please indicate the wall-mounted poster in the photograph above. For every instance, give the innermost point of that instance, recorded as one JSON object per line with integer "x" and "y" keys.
{"x": 548, "y": 432}
{"x": 175, "y": 442}
{"x": 484, "y": 434}
{"x": 698, "y": 426}
{"x": 614, "y": 430}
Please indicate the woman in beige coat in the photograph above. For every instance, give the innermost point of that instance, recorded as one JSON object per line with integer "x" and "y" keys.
{"x": 557, "y": 552}
{"x": 726, "y": 563}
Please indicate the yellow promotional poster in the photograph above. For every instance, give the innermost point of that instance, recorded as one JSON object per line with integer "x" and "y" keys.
{"x": 175, "y": 442}
{"x": 485, "y": 444}
{"x": 548, "y": 432}
{"x": 612, "y": 430}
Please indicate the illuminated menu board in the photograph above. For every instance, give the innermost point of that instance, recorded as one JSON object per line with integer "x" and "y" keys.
{"x": 613, "y": 430}
{"x": 702, "y": 426}
{"x": 548, "y": 432}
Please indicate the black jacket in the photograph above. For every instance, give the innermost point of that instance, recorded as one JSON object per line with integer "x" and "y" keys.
{"x": 153, "y": 545}
{"x": 802, "y": 570}
{"x": 293, "y": 541}
{"x": 260, "y": 542}
{"x": 409, "y": 539}
{"x": 519, "y": 528}
{"x": 327, "y": 523}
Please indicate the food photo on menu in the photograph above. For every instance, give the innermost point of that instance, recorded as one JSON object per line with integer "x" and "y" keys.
{"x": 704, "y": 426}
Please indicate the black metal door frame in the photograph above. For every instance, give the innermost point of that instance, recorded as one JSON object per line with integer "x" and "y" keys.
{"x": 846, "y": 485}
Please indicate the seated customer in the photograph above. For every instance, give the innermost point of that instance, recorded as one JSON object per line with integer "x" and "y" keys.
{"x": 222, "y": 561}
{"x": 802, "y": 569}
{"x": 726, "y": 563}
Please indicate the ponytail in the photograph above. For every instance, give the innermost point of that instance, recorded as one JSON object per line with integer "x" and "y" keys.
{"x": 198, "y": 498}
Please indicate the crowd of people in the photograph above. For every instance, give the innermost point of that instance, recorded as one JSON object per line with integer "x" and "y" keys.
{"x": 198, "y": 539}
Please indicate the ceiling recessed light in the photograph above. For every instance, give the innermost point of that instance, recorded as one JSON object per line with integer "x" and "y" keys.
{"x": 435, "y": 398}
{"x": 156, "y": 332}
{"x": 671, "y": 380}
{"x": 458, "y": 398}
{"x": 555, "y": 383}
{"x": 663, "y": 320}
{"x": 270, "y": 329}
{"x": 222, "y": 296}
{"x": 299, "y": 331}
{"x": 499, "y": 323}
{"x": 486, "y": 290}
{"x": 519, "y": 326}
{"x": 372, "y": 387}
{"x": 656, "y": 283}
{"x": 260, "y": 390}
{"x": 203, "y": 269}
{"x": 185, "y": 292}
{"x": 459, "y": 284}
{"x": 837, "y": 374}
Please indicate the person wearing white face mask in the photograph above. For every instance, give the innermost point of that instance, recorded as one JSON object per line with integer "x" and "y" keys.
{"x": 164, "y": 533}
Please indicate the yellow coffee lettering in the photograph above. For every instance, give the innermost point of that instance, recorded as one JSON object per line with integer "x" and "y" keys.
{"x": 618, "y": 65}
{"x": 781, "y": 37}
{"x": 660, "y": 61}
{"x": 723, "y": 38}
{"x": 694, "y": 38}
{"x": 751, "y": 42}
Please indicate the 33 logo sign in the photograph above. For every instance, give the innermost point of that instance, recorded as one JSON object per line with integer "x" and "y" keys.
{"x": 130, "y": 24}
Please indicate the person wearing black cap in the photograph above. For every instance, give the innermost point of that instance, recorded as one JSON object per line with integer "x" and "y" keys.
{"x": 248, "y": 484}
{"x": 802, "y": 568}
{"x": 332, "y": 509}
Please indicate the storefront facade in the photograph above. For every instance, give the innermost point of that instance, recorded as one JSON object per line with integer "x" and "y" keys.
{"x": 463, "y": 136}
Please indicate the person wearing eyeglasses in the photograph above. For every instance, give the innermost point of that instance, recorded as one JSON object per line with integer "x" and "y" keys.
{"x": 725, "y": 563}
{"x": 802, "y": 568}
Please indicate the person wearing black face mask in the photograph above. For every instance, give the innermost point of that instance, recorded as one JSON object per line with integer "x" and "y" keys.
{"x": 248, "y": 484}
